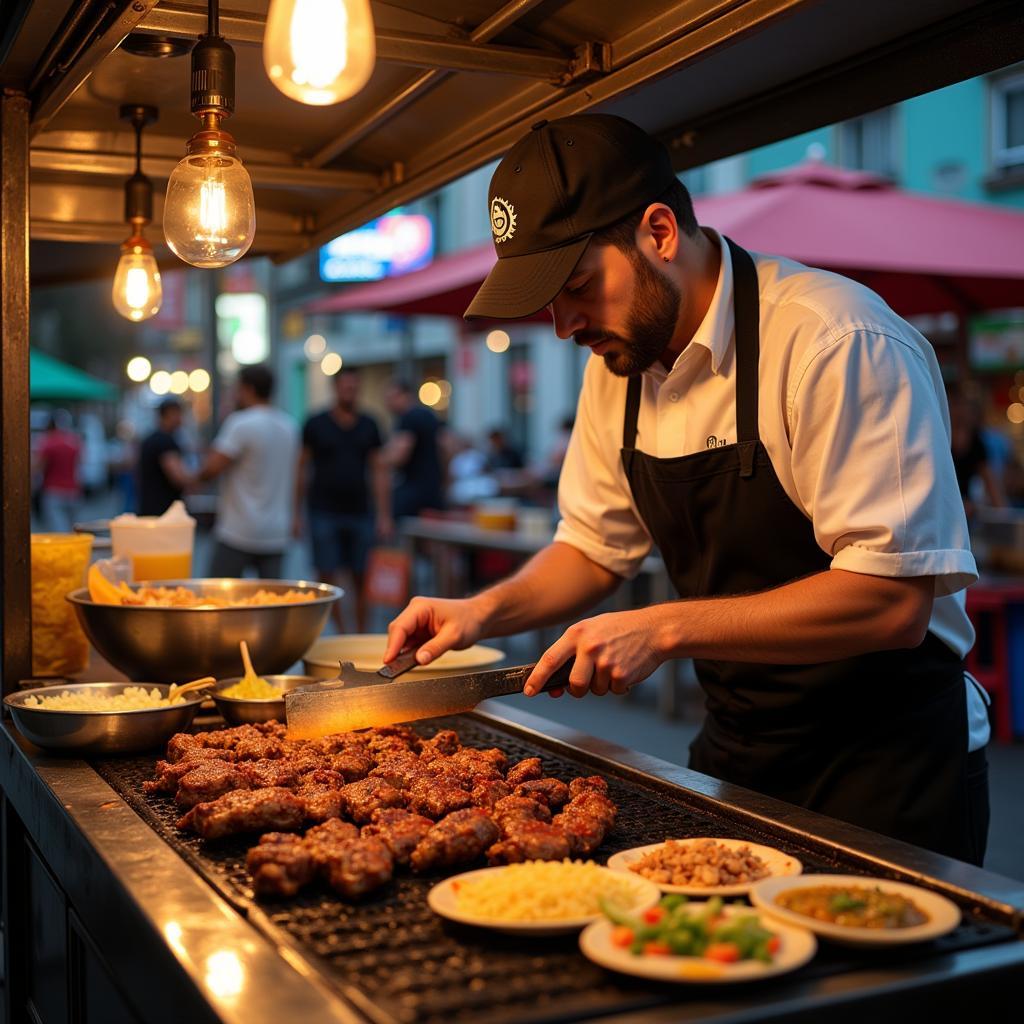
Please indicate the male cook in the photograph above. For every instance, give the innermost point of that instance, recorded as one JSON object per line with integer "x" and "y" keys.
{"x": 783, "y": 438}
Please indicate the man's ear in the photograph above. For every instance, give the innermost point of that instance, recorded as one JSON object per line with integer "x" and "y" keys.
{"x": 658, "y": 233}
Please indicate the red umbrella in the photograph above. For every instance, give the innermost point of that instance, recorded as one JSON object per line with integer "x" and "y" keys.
{"x": 921, "y": 254}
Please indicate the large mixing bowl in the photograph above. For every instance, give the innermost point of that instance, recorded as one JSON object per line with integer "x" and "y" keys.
{"x": 100, "y": 732}
{"x": 174, "y": 644}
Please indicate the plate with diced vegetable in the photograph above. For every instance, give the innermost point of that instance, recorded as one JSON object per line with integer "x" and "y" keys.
{"x": 703, "y": 866}
{"x": 856, "y": 910}
{"x": 698, "y": 943}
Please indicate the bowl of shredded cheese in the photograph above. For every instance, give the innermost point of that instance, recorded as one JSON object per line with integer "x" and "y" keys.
{"x": 539, "y": 897}
{"x": 255, "y": 698}
{"x": 102, "y": 718}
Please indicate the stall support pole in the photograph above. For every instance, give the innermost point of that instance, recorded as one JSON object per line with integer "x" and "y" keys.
{"x": 15, "y": 486}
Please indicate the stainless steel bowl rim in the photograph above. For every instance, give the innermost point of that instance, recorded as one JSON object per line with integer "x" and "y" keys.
{"x": 328, "y": 594}
{"x": 17, "y": 700}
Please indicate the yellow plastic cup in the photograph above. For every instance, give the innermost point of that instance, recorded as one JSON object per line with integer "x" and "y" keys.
{"x": 59, "y": 562}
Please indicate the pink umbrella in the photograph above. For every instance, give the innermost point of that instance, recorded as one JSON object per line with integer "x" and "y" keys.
{"x": 923, "y": 255}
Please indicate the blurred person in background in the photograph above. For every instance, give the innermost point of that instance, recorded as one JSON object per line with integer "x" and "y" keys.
{"x": 970, "y": 455}
{"x": 57, "y": 460}
{"x": 254, "y": 455}
{"x": 413, "y": 453}
{"x": 501, "y": 454}
{"x": 162, "y": 475}
{"x": 122, "y": 461}
{"x": 347, "y": 496}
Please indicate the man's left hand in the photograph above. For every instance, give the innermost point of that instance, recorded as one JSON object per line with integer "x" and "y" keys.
{"x": 613, "y": 653}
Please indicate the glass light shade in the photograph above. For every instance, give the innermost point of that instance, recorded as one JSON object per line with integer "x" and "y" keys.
{"x": 209, "y": 213}
{"x": 137, "y": 292}
{"x": 319, "y": 51}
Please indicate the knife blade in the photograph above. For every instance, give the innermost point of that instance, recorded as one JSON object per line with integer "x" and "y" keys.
{"x": 312, "y": 712}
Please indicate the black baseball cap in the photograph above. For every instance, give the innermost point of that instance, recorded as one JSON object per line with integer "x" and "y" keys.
{"x": 556, "y": 186}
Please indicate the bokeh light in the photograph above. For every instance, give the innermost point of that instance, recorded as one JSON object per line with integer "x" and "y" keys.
{"x": 160, "y": 382}
{"x": 430, "y": 393}
{"x": 331, "y": 363}
{"x": 498, "y": 341}
{"x": 139, "y": 368}
{"x": 314, "y": 347}
{"x": 199, "y": 380}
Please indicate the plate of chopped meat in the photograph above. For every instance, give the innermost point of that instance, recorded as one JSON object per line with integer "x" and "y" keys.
{"x": 704, "y": 866}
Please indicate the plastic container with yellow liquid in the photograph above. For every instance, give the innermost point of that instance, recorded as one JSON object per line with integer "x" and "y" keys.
{"x": 159, "y": 547}
{"x": 59, "y": 561}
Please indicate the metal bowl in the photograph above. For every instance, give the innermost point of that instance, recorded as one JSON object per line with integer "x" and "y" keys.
{"x": 100, "y": 732}
{"x": 172, "y": 644}
{"x": 238, "y": 710}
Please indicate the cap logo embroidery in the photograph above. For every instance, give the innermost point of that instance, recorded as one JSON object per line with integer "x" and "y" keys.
{"x": 503, "y": 219}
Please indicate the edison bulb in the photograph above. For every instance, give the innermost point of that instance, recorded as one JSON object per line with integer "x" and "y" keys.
{"x": 210, "y": 212}
{"x": 137, "y": 292}
{"x": 319, "y": 51}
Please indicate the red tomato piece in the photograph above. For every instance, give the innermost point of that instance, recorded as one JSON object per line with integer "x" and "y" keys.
{"x": 654, "y": 915}
{"x": 622, "y": 936}
{"x": 657, "y": 949}
{"x": 723, "y": 952}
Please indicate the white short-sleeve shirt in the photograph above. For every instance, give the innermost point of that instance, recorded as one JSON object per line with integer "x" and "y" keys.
{"x": 852, "y": 412}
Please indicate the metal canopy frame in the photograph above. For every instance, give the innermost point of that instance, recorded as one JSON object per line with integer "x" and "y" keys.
{"x": 457, "y": 82}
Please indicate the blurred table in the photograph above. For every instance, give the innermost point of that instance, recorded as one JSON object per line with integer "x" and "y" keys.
{"x": 447, "y": 543}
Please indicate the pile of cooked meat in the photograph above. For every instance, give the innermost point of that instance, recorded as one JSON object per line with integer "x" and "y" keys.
{"x": 351, "y": 807}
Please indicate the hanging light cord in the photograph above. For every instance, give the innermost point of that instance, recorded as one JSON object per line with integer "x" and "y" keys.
{"x": 213, "y": 18}
{"x": 137, "y": 122}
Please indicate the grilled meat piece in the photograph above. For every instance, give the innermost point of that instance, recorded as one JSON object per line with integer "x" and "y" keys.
{"x": 511, "y": 808}
{"x": 321, "y": 837}
{"x": 399, "y": 769}
{"x": 487, "y": 792}
{"x": 364, "y": 797}
{"x": 459, "y": 838}
{"x": 595, "y": 804}
{"x": 170, "y": 773}
{"x": 443, "y": 743}
{"x": 354, "y": 867}
{"x": 482, "y": 761}
{"x": 553, "y": 793}
{"x": 268, "y": 772}
{"x": 179, "y": 745}
{"x": 584, "y": 832}
{"x": 280, "y": 865}
{"x": 338, "y": 742}
{"x": 354, "y": 763}
{"x": 529, "y": 840}
{"x": 260, "y": 810}
{"x": 593, "y": 783}
{"x": 208, "y": 780}
{"x": 228, "y": 739}
{"x": 258, "y": 748}
{"x": 400, "y": 829}
{"x": 525, "y": 771}
{"x": 436, "y": 798}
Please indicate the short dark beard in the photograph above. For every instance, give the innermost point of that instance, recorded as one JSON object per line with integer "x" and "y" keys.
{"x": 650, "y": 323}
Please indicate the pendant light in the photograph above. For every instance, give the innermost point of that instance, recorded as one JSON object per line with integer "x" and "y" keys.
{"x": 319, "y": 51}
{"x": 210, "y": 214}
{"x": 137, "y": 292}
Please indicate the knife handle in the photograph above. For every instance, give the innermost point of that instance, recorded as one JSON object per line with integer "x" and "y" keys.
{"x": 558, "y": 679}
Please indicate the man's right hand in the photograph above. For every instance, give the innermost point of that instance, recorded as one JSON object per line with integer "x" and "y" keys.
{"x": 435, "y": 625}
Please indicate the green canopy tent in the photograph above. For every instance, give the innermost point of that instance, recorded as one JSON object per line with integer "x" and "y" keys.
{"x": 52, "y": 380}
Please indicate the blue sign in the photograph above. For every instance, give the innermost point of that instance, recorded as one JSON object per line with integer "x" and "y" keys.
{"x": 392, "y": 245}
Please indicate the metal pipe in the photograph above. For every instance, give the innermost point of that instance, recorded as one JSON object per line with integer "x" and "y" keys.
{"x": 495, "y": 24}
{"x": 56, "y": 44}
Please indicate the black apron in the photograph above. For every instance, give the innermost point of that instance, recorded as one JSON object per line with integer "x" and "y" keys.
{"x": 879, "y": 740}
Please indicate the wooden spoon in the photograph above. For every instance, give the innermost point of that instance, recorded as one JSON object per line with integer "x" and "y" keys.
{"x": 196, "y": 684}
{"x": 250, "y": 673}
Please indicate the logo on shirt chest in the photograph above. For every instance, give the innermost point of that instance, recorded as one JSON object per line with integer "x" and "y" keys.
{"x": 715, "y": 442}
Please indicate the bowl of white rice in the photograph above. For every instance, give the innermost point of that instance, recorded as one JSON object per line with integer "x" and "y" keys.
{"x": 101, "y": 718}
{"x": 539, "y": 897}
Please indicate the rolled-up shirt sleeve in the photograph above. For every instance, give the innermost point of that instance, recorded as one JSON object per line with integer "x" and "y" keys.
{"x": 595, "y": 502}
{"x": 872, "y": 464}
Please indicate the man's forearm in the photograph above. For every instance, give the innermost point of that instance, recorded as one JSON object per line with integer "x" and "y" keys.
{"x": 830, "y": 615}
{"x": 556, "y": 584}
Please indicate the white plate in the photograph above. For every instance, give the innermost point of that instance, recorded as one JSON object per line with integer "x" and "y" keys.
{"x": 442, "y": 900}
{"x": 943, "y": 914}
{"x": 797, "y": 947}
{"x": 778, "y": 863}
{"x": 366, "y": 652}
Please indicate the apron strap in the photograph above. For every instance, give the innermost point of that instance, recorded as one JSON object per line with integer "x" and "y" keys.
{"x": 632, "y": 412}
{"x": 747, "y": 316}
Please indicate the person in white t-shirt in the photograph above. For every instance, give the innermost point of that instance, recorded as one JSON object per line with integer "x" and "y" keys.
{"x": 782, "y": 437}
{"x": 255, "y": 456}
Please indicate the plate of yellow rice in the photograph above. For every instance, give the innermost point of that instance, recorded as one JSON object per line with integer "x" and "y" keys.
{"x": 539, "y": 897}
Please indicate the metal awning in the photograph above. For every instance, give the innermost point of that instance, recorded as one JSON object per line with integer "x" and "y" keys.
{"x": 457, "y": 81}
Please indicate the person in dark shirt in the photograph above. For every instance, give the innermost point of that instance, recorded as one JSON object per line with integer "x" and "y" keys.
{"x": 345, "y": 488}
{"x": 970, "y": 456}
{"x": 500, "y": 452}
{"x": 162, "y": 476}
{"x": 414, "y": 453}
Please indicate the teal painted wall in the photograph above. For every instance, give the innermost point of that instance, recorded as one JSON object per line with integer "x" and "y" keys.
{"x": 942, "y": 146}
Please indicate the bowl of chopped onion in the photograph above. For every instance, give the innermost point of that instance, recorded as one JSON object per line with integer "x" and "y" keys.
{"x": 255, "y": 698}
{"x": 102, "y": 718}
